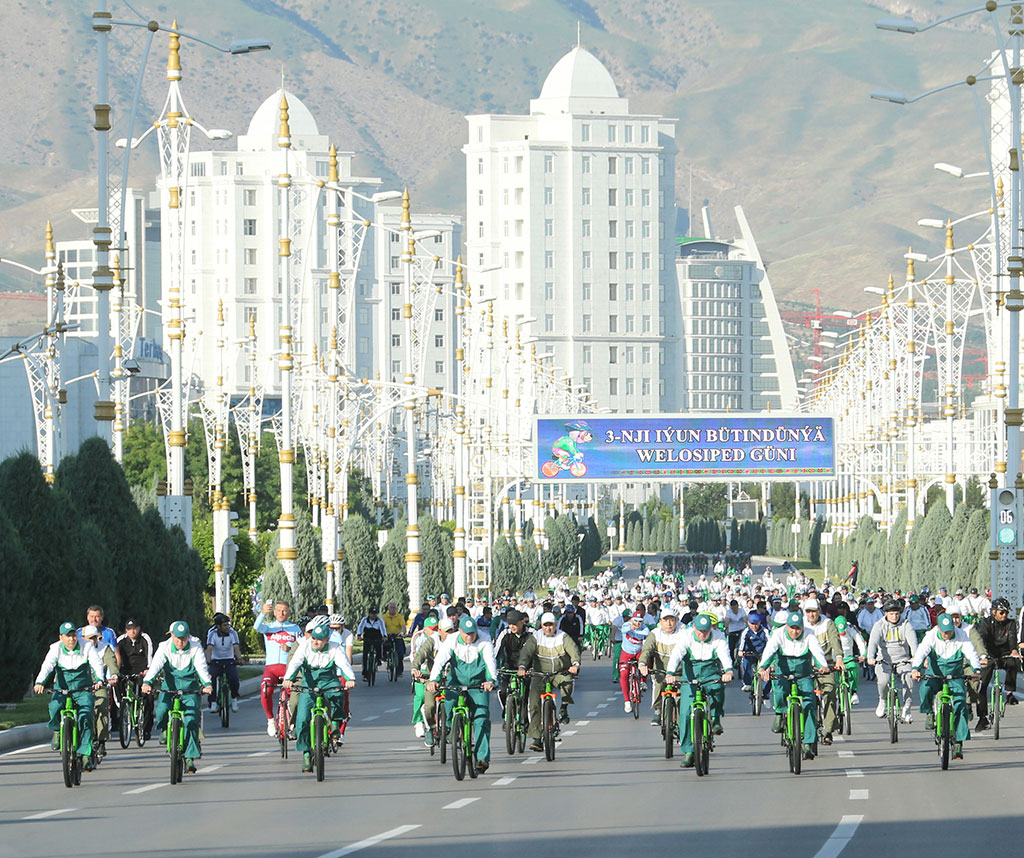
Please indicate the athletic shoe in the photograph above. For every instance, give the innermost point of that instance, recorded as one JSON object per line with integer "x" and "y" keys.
{"x": 880, "y": 709}
{"x": 271, "y": 728}
{"x": 931, "y": 720}
{"x": 808, "y": 754}
{"x": 535, "y": 745}
{"x": 655, "y": 721}
{"x": 908, "y": 719}
{"x": 716, "y": 728}
{"x": 686, "y": 762}
{"x": 190, "y": 765}
{"x": 213, "y": 707}
{"x": 55, "y": 741}
{"x": 627, "y": 706}
{"x": 563, "y": 715}
{"x": 826, "y": 739}
{"x": 958, "y": 750}
{"x": 1010, "y": 699}
{"x": 87, "y": 765}
{"x": 234, "y": 705}
{"x": 745, "y": 688}
{"x": 307, "y": 762}
{"x": 854, "y": 700}
{"x": 777, "y": 725}
{"x": 482, "y": 766}
{"x": 419, "y": 730}
{"x": 982, "y": 723}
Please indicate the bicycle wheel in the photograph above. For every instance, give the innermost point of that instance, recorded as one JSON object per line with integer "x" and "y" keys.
{"x": 523, "y": 725}
{"x": 547, "y": 727}
{"x": 511, "y": 724}
{"x": 124, "y": 723}
{"x": 176, "y": 762}
{"x": 847, "y": 709}
{"x": 471, "y": 753}
{"x": 756, "y": 700}
{"x": 139, "y": 719}
{"x": 893, "y": 712}
{"x": 668, "y": 726}
{"x": 68, "y": 751}
{"x": 698, "y": 725}
{"x": 596, "y": 649}
{"x": 393, "y": 664}
{"x": 282, "y": 728}
{"x": 634, "y": 694}
{"x": 442, "y": 733}
{"x": 796, "y": 739}
{"x": 945, "y": 717}
{"x": 458, "y": 748}
{"x": 995, "y": 705}
{"x": 319, "y": 741}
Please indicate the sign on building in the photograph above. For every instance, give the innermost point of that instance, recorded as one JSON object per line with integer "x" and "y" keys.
{"x": 666, "y": 447}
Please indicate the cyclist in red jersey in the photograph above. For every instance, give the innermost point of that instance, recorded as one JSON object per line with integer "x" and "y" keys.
{"x": 280, "y": 637}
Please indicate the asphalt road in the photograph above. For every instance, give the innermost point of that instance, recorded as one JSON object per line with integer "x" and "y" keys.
{"x": 609, "y": 791}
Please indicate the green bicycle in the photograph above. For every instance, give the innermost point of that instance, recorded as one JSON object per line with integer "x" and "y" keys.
{"x": 598, "y": 640}
{"x": 892, "y": 701}
{"x": 517, "y": 714}
{"x": 549, "y": 728}
{"x": 792, "y": 738}
{"x": 67, "y": 733}
{"x": 700, "y": 726}
{"x": 944, "y": 729}
{"x": 321, "y": 740}
{"x": 463, "y": 740}
{"x": 669, "y": 715}
{"x": 997, "y": 696}
{"x": 132, "y": 713}
{"x": 175, "y": 737}
{"x": 844, "y": 694}
{"x": 757, "y": 690}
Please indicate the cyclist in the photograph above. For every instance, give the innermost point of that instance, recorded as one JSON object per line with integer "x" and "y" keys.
{"x": 135, "y": 649}
{"x": 224, "y": 654}
{"x": 852, "y": 642}
{"x": 183, "y": 666}
{"x": 91, "y": 637}
{"x": 423, "y": 656}
{"x": 751, "y": 645}
{"x": 620, "y": 618}
{"x": 394, "y": 626}
{"x": 471, "y": 662}
{"x": 572, "y": 625}
{"x": 701, "y": 654}
{"x": 633, "y": 636}
{"x": 281, "y": 637}
{"x": 320, "y": 662}
{"x": 508, "y": 647}
{"x": 795, "y": 651}
{"x": 945, "y": 653}
{"x": 655, "y": 653}
{"x": 735, "y": 624}
{"x": 77, "y": 672}
{"x": 1000, "y": 634}
{"x": 371, "y": 632}
{"x": 94, "y": 616}
{"x": 892, "y": 639}
{"x": 825, "y": 631}
{"x": 549, "y": 650}
{"x": 918, "y": 616}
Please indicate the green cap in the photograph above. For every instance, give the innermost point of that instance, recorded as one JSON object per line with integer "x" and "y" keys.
{"x": 430, "y": 622}
{"x": 945, "y": 623}
{"x": 320, "y": 633}
{"x": 180, "y": 629}
{"x": 841, "y": 623}
{"x": 795, "y": 620}
{"x": 466, "y": 624}
{"x": 67, "y": 627}
{"x": 702, "y": 622}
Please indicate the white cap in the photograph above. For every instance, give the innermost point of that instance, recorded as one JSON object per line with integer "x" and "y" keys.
{"x": 445, "y": 624}
{"x": 811, "y": 605}
{"x": 669, "y": 612}
{"x": 547, "y": 617}
{"x": 90, "y": 631}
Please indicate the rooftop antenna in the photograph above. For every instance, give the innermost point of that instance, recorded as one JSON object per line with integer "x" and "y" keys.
{"x": 282, "y": 77}
{"x": 579, "y": 34}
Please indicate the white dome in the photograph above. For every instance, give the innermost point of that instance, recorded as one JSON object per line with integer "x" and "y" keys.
{"x": 579, "y": 74}
{"x": 266, "y": 120}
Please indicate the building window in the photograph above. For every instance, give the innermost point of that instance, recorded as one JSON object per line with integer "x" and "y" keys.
{"x": 364, "y": 345}
{"x": 613, "y": 324}
{"x": 613, "y": 354}
{"x": 238, "y": 168}
{"x": 249, "y": 255}
{"x": 629, "y": 166}
{"x": 586, "y": 229}
{"x": 439, "y": 367}
{"x": 586, "y": 291}
{"x": 586, "y": 259}
{"x": 629, "y": 259}
{"x": 645, "y": 197}
{"x": 519, "y": 196}
{"x": 480, "y": 197}
{"x": 645, "y": 387}
{"x": 197, "y": 169}
{"x": 629, "y": 324}
{"x": 585, "y": 132}
{"x": 519, "y": 163}
{"x": 646, "y": 325}
{"x": 549, "y": 163}
{"x": 588, "y": 352}
{"x": 585, "y": 164}
{"x": 549, "y": 291}
{"x": 519, "y": 229}
{"x": 645, "y": 134}
{"x": 613, "y": 291}
{"x": 645, "y": 260}
{"x": 504, "y": 164}
{"x": 645, "y": 354}
{"x": 396, "y": 288}
{"x": 630, "y": 291}
{"x": 439, "y": 314}
{"x": 252, "y": 317}
{"x": 438, "y": 341}
{"x": 613, "y": 197}
{"x": 480, "y": 229}
{"x": 613, "y": 387}
{"x": 396, "y": 367}
{"x": 613, "y": 229}
{"x": 612, "y": 165}
{"x": 249, "y": 285}
{"x": 396, "y": 314}
{"x": 630, "y": 354}
{"x": 645, "y": 166}
{"x": 630, "y": 389}
{"x": 585, "y": 196}
{"x": 249, "y": 197}
{"x": 627, "y": 134}
{"x": 549, "y": 227}
{"x": 611, "y": 133}
{"x": 586, "y": 323}
{"x": 479, "y": 166}
{"x": 549, "y": 322}
{"x": 249, "y": 226}
{"x": 613, "y": 259}
{"x": 504, "y": 197}
{"x": 549, "y": 196}
{"x": 396, "y": 341}
{"x": 395, "y": 261}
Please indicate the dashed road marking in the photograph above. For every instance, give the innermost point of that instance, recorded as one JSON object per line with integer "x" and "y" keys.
{"x": 25, "y": 750}
{"x": 840, "y": 837}
{"x": 46, "y": 814}
{"x": 462, "y": 802}
{"x": 371, "y": 717}
{"x": 504, "y": 781}
{"x": 858, "y": 795}
{"x": 207, "y": 769}
{"x": 532, "y": 760}
{"x": 569, "y": 732}
{"x": 593, "y": 714}
{"x": 846, "y": 753}
{"x": 854, "y": 773}
{"x": 390, "y": 711}
{"x": 582, "y": 723}
{"x": 259, "y": 754}
{"x": 143, "y": 789}
{"x": 370, "y": 841}
{"x": 602, "y": 705}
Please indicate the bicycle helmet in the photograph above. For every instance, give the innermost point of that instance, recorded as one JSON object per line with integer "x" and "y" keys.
{"x": 1001, "y": 604}
{"x": 578, "y": 426}
{"x": 335, "y": 620}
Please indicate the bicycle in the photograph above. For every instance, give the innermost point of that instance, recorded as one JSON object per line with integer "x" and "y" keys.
{"x": 371, "y": 656}
{"x": 792, "y": 738}
{"x": 549, "y": 728}
{"x": 132, "y": 713}
{"x": 633, "y": 686}
{"x": 700, "y": 726}
{"x": 321, "y": 739}
{"x": 222, "y": 694}
{"x": 668, "y": 714}
{"x": 175, "y": 737}
{"x": 463, "y": 740}
{"x": 844, "y": 708}
{"x": 283, "y": 720}
{"x": 756, "y": 692}
{"x": 892, "y": 702}
{"x": 517, "y": 716}
{"x": 943, "y": 709}
{"x": 996, "y": 696}
{"x": 67, "y": 734}
{"x": 391, "y": 657}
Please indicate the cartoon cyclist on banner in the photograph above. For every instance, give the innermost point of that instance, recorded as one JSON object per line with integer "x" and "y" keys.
{"x": 565, "y": 452}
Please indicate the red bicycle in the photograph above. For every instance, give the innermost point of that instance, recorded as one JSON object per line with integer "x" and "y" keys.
{"x": 283, "y": 720}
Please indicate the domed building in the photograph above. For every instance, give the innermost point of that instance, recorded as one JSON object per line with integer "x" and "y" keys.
{"x": 576, "y": 202}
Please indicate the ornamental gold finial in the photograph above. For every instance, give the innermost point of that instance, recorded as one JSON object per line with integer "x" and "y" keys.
{"x": 252, "y": 327}
{"x": 220, "y": 311}
{"x": 949, "y": 235}
{"x": 406, "y": 220}
{"x": 49, "y": 240}
{"x": 332, "y": 163}
{"x": 173, "y": 58}
{"x": 334, "y": 338}
{"x": 458, "y": 271}
{"x": 284, "y": 133}
{"x": 910, "y": 265}
{"x": 118, "y": 282}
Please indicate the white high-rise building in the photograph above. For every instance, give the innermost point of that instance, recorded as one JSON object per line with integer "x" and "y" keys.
{"x": 576, "y": 202}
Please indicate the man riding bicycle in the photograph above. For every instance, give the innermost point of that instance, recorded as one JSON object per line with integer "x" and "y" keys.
{"x": 224, "y": 655}
{"x": 136, "y": 650}
{"x": 892, "y": 640}
{"x": 825, "y": 631}
{"x": 633, "y": 636}
{"x": 281, "y": 638}
{"x": 852, "y": 642}
{"x": 751, "y": 644}
{"x": 77, "y": 672}
{"x": 508, "y": 647}
{"x": 701, "y": 654}
{"x": 394, "y": 628}
{"x": 320, "y": 662}
{"x": 999, "y": 633}
{"x": 656, "y": 652}
{"x": 549, "y": 651}
{"x": 371, "y": 632}
{"x": 945, "y": 654}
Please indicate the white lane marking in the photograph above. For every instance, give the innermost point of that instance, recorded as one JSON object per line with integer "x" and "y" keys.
{"x": 858, "y": 794}
{"x": 531, "y": 761}
{"x": 207, "y": 769}
{"x": 569, "y": 732}
{"x": 838, "y": 738}
{"x": 370, "y": 841}
{"x": 48, "y": 813}
{"x": 389, "y": 711}
{"x": 582, "y": 723}
{"x": 504, "y": 781}
{"x": 462, "y": 802}
{"x": 409, "y": 748}
{"x": 371, "y": 717}
{"x": 25, "y": 750}
{"x": 602, "y": 705}
{"x": 854, "y": 773}
{"x": 146, "y": 788}
{"x": 593, "y": 714}
{"x": 611, "y": 699}
{"x": 846, "y": 753}
{"x": 840, "y": 837}
{"x": 259, "y": 754}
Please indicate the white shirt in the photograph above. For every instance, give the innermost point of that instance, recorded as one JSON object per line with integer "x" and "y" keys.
{"x": 70, "y": 660}
{"x": 179, "y": 659}
{"x": 455, "y": 646}
{"x": 780, "y": 641}
{"x": 715, "y": 646}
{"x": 333, "y": 654}
{"x": 961, "y": 642}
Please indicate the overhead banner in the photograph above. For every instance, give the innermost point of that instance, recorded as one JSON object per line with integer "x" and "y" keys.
{"x": 665, "y": 447}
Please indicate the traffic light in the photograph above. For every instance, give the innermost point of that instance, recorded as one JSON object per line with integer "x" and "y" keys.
{"x": 1006, "y": 521}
